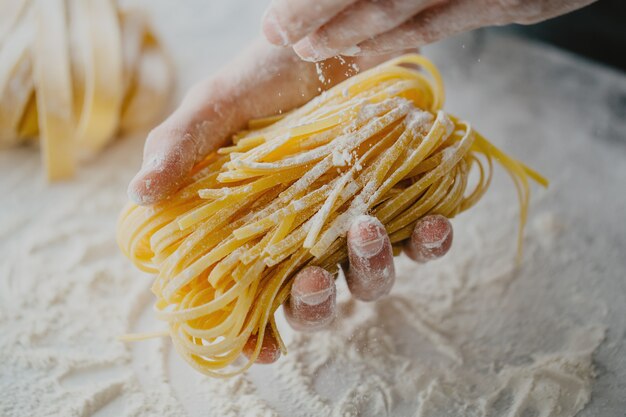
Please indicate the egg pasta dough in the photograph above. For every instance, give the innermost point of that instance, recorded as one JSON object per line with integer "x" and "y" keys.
{"x": 282, "y": 196}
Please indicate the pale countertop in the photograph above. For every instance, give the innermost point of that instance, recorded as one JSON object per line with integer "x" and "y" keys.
{"x": 560, "y": 113}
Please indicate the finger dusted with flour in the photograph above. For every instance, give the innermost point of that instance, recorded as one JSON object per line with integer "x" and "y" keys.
{"x": 371, "y": 273}
{"x": 270, "y": 348}
{"x": 312, "y": 302}
{"x": 431, "y": 239}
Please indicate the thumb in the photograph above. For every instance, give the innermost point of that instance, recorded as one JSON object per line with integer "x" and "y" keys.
{"x": 201, "y": 124}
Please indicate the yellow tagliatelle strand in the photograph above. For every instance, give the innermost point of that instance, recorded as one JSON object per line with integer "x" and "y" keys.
{"x": 283, "y": 195}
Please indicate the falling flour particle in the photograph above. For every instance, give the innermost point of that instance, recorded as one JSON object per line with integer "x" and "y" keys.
{"x": 320, "y": 72}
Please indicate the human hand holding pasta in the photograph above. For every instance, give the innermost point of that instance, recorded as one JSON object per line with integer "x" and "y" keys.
{"x": 263, "y": 82}
{"x": 322, "y": 29}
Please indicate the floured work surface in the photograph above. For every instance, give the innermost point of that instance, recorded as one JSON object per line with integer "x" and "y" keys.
{"x": 466, "y": 335}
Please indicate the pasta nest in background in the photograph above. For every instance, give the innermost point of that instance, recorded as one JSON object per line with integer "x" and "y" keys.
{"x": 75, "y": 73}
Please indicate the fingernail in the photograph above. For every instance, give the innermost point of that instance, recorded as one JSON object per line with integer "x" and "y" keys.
{"x": 369, "y": 238}
{"x": 431, "y": 238}
{"x": 433, "y": 231}
{"x": 272, "y": 29}
{"x": 306, "y": 50}
{"x": 436, "y": 242}
{"x": 315, "y": 298}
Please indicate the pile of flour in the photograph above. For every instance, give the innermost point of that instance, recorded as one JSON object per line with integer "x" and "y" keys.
{"x": 472, "y": 334}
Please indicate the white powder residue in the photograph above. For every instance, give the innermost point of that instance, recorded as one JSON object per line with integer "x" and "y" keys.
{"x": 420, "y": 121}
{"x": 319, "y": 69}
{"x": 366, "y": 364}
{"x": 342, "y": 157}
{"x": 369, "y": 110}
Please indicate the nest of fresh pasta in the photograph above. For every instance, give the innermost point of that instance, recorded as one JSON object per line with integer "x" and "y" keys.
{"x": 282, "y": 196}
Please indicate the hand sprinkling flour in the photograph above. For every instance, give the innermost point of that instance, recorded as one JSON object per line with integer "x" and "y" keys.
{"x": 323, "y": 29}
